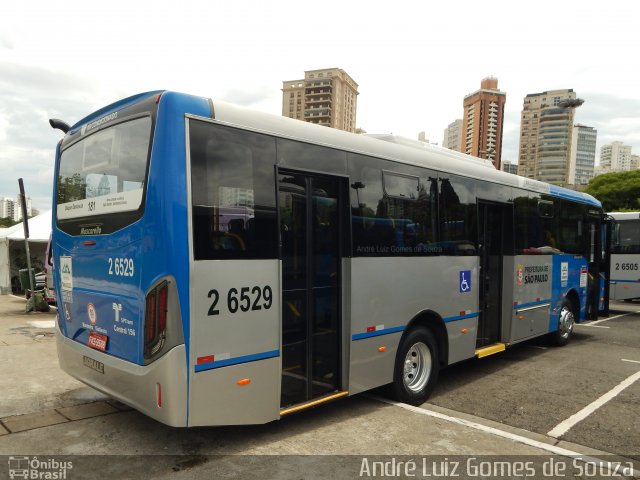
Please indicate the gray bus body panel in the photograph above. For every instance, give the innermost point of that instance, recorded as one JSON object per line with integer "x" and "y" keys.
{"x": 531, "y": 308}
{"x": 388, "y": 292}
{"x": 135, "y": 385}
{"x": 236, "y": 346}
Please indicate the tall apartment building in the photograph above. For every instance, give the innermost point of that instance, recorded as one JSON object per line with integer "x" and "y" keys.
{"x": 10, "y": 208}
{"x": 326, "y": 97}
{"x": 615, "y": 157}
{"x": 546, "y": 129}
{"x": 583, "y": 154}
{"x": 452, "y": 138}
{"x": 509, "y": 167}
{"x": 482, "y": 121}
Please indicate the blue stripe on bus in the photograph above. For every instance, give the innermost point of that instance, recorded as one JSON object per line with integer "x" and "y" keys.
{"x": 625, "y": 281}
{"x": 461, "y": 317}
{"x": 377, "y": 333}
{"x": 237, "y": 360}
{"x": 531, "y": 304}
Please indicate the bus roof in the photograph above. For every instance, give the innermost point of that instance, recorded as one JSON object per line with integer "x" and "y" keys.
{"x": 429, "y": 156}
{"x": 625, "y": 215}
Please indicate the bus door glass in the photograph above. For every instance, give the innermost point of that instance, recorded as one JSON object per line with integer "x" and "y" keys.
{"x": 311, "y": 238}
{"x": 494, "y": 225}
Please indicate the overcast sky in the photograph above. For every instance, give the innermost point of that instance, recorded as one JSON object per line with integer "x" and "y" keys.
{"x": 414, "y": 62}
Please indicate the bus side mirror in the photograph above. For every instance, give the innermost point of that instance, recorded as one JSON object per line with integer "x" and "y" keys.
{"x": 59, "y": 125}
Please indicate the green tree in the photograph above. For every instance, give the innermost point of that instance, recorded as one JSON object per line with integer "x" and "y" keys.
{"x": 618, "y": 191}
{"x": 7, "y": 222}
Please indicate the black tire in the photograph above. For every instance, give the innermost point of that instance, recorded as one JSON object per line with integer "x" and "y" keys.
{"x": 417, "y": 367}
{"x": 566, "y": 322}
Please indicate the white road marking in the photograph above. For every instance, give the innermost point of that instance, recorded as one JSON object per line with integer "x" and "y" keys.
{"x": 563, "y": 427}
{"x": 611, "y": 318}
{"x": 632, "y": 361}
{"x": 512, "y": 436}
{"x": 590, "y": 325}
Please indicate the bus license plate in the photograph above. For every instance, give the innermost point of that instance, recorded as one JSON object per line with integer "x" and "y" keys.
{"x": 97, "y": 341}
{"x": 93, "y": 364}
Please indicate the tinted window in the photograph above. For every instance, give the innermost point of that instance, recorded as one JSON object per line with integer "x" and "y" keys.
{"x": 104, "y": 173}
{"x": 311, "y": 157}
{"x": 396, "y": 217}
{"x": 458, "y": 227}
{"x": 626, "y": 236}
{"x": 233, "y": 193}
{"x": 572, "y": 230}
{"x": 535, "y": 225}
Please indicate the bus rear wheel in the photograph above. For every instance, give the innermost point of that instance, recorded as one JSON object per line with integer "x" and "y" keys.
{"x": 417, "y": 367}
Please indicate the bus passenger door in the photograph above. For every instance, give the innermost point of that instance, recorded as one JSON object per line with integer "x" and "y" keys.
{"x": 311, "y": 220}
{"x": 494, "y": 227}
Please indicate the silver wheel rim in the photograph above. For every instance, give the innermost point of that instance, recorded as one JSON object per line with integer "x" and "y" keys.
{"x": 417, "y": 367}
{"x": 566, "y": 322}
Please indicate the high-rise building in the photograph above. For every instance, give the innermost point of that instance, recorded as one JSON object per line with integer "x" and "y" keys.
{"x": 7, "y": 206}
{"x": 509, "y": 167}
{"x": 10, "y": 208}
{"x": 326, "y": 97}
{"x": 546, "y": 129}
{"x": 615, "y": 157}
{"x": 452, "y": 138}
{"x": 583, "y": 154}
{"x": 482, "y": 121}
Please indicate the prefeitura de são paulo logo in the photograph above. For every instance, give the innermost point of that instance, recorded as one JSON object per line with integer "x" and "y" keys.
{"x": 91, "y": 312}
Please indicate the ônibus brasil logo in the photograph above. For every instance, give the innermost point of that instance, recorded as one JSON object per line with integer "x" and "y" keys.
{"x": 27, "y": 467}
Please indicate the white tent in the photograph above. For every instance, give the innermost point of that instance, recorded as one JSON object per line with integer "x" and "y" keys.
{"x": 12, "y": 243}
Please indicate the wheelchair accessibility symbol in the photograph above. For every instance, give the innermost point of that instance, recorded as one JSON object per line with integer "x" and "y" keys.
{"x": 465, "y": 281}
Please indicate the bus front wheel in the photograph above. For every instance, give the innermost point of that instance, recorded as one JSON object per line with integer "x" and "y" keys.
{"x": 417, "y": 367}
{"x": 566, "y": 322}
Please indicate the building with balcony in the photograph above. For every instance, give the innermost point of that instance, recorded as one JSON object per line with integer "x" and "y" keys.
{"x": 325, "y": 97}
{"x": 482, "y": 121}
{"x": 546, "y": 130}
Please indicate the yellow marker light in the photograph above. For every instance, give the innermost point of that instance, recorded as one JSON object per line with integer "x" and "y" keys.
{"x": 244, "y": 382}
{"x": 521, "y": 317}
{"x": 382, "y": 349}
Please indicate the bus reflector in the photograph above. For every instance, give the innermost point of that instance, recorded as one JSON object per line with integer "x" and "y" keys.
{"x": 159, "y": 395}
{"x": 244, "y": 382}
{"x": 464, "y": 331}
{"x": 382, "y": 349}
{"x": 207, "y": 359}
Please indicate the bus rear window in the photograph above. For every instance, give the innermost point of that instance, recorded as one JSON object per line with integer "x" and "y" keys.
{"x": 104, "y": 173}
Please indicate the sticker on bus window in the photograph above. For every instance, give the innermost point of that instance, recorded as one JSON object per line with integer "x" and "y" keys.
{"x": 564, "y": 273}
{"x": 66, "y": 274}
{"x": 583, "y": 277}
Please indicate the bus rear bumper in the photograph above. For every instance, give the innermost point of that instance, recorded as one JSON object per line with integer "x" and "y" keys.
{"x": 158, "y": 390}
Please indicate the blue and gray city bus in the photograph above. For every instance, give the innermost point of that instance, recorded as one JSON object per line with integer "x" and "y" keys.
{"x": 218, "y": 266}
{"x": 624, "y": 283}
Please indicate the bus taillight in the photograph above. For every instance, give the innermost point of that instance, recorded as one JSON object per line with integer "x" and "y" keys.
{"x": 155, "y": 319}
{"x": 162, "y": 309}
